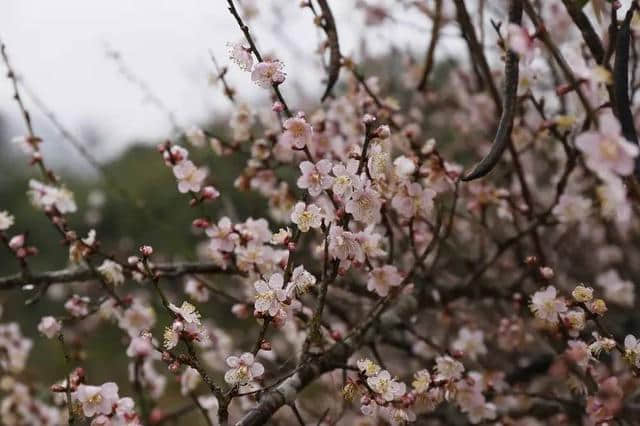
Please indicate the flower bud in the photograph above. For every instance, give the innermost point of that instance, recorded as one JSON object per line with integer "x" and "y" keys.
{"x": 210, "y": 193}
{"x": 17, "y": 242}
{"x": 146, "y": 250}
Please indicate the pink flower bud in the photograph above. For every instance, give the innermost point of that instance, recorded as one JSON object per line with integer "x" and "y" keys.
{"x": 133, "y": 260}
{"x": 17, "y": 242}
{"x": 265, "y": 345}
{"x": 210, "y": 193}
{"x": 146, "y": 250}
{"x": 201, "y": 223}
{"x": 240, "y": 310}
{"x": 277, "y": 107}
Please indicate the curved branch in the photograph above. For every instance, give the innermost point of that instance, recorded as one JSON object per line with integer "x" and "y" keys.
{"x": 435, "y": 35}
{"x": 589, "y": 34}
{"x": 331, "y": 31}
{"x": 503, "y": 134}
{"x": 621, "y": 80}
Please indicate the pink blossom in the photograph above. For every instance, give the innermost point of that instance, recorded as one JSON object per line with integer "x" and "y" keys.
{"x": 606, "y": 150}
{"x": 271, "y": 295}
{"x": 97, "y": 399}
{"x": 243, "y": 369}
{"x": 298, "y": 132}
{"x": 315, "y": 177}
{"x": 365, "y": 205}
{"x": 189, "y": 177}
{"x": 382, "y": 279}
{"x": 413, "y": 200}
{"x": 268, "y": 73}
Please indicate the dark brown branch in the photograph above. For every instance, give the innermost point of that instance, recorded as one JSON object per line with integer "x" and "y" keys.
{"x": 85, "y": 274}
{"x": 589, "y": 34}
{"x": 476, "y": 50}
{"x": 621, "y": 81}
{"x": 505, "y": 126}
{"x": 435, "y": 35}
{"x": 331, "y": 31}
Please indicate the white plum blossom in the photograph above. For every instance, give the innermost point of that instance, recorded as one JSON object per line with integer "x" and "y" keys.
{"x": 387, "y": 387}
{"x": 368, "y": 367}
{"x": 97, "y": 399}
{"x": 448, "y": 368}
{"x": 421, "y": 381}
{"x": 190, "y": 177}
{"x": 187, "y": 312}
{"x": 346, "y": 178}
{"x": 197, "y": 290}
{"x": 14, "y": 347}
{"x": 271, "y": 295}
{"x": 241, "y": 55}
{"x": 136, "y": 318}
{"x": 46, "y": 196}
{"x": 243, "y": 369}
{"x": 196, "y": 136}
{"x": 606, "y": 150}
{"x": 315, "y": 177}
{"x": 6, "y": 220}
{"x": 547, "y": 306}
{"x": 632, "y": 350}
{"x": 306, "y": 216}
{"x": 382, "y": 279}
{"x": 49, "y": 326}
{"x": 111, "y": 272}
{"x": 268, "y": 73}
{"x": 189, "y": 380}
{"x": 298, "y": 133}
{"x": 616, "y": 290}
{"x": 301, "y": 281}
{"x": 470, "y": 343}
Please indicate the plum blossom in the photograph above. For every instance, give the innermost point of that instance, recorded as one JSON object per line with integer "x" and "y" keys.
{"x": 49, "y": 326}
{"x": 315, "y": 177}
{"x": 632, "y": 350}
{"x": 243, "y": 369}
{"x": 365, "y": 205}
{"x": 345, "y": 178}
{"x": 387, "y": 387}
{"x": 241, "y": 55}
{"x": 187, "y": 312}
{"x": 77, "y": 306}
{"x": 421, "y": 381}
{"x": 470, "y": 343}
{"x": 606, "y": 150}
{"x": 547, "y": 306}
{"x": 196, "y": 136}
{"x": 271, "y": 295}
{"x": 189, "y": 380}
{"x": 298, "y": 133}
{"x": 197, "y": 290}
{"x": 6, "y": 220}
{"x": 382, "y": 279}
{"x": 344, "y": 245}
{"x": 582, "y": 293}
{"x": 111, "y": 272}
{"x": 190, "y": 177}
{"x": 241, "y": 122}
{"x": 268, "y": 73}
{"x": 301, "y": 281}
{"x": 572, "y": 208}
{"x": 14, "y": 347}
{"x": 222, "y": 235}
{"x": 97, "y": 399}
{"x": 448, "y": 368}
{"x": 616, "y": 290}
{"x": 46, "y": 196}
{"x": 368, "y": 367}
{"x": 306, "y": 216}
{"x": 413, "y": 200}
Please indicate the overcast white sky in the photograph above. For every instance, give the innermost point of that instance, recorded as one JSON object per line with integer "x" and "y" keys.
{"x": 58, "y": 47}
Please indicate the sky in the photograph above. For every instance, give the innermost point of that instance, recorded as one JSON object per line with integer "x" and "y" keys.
{"x": 59, "y": 50}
